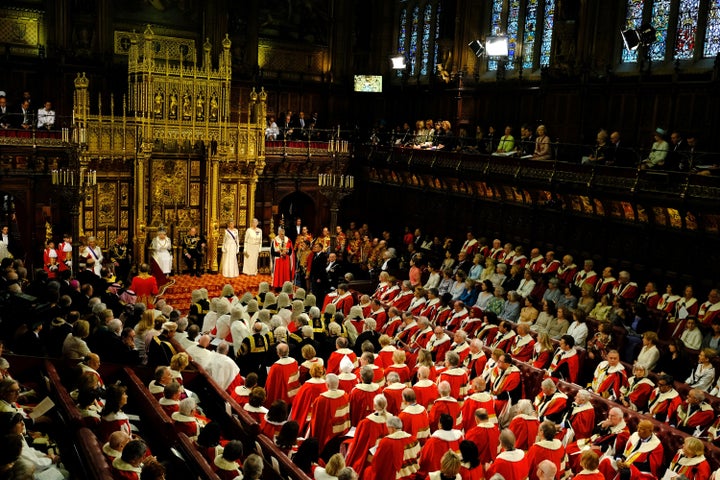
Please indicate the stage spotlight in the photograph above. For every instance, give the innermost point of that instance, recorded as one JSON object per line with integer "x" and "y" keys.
{"x": 496, "y": 46}
{"x": 631, "y": 39}
{"x": 477, "y": 47}
{"x": 398, "y": 62}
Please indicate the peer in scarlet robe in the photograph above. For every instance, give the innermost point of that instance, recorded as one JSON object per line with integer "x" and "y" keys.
{"x": 613, "y": 437}
{"x": 333, "y": 363}
{"x": 582, "y": 420}
{"x": 283, "y": 381}
{"x": 458, "y": 379}
{"x": 361, "y": 401}
{"x": 550, "y": 407}
{"x": 643, "y": 456}
{"x": 552, "y": 450}
{"x": 609, "y": 379}
{"x": 416, "y": 422}
{"x": 485, "y": 435}
{"x": 506, "y": 385}
{"x": 367, "y": 435}
{"x": 186, "y": 424}
{"x": 330, "y": 416}
{"x": 436, "y": 446}
{"x": 694, "y": 417}
{"x": 475, "y": 363}
{"x": 521, "y": 347}
{"x": 426, "y": 392}
{"x": 525, "y": 428}
{"x": 565, "y": 364}
{"x": 122, "y": 470}
{"x": 446, "y": 405}
{"x": 637, "y": 393}
{"x": 662, "y": 405}
{"x": 393, "y": 394}
{"x": 693, "y": 468}
{"x": 396, "y": 458}
{"x": 512, "y": 465}
{"x": 308, "y": 392}
{"x": 472, "y": 403}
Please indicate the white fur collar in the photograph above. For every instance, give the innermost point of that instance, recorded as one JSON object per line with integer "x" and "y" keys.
{"x": 448, "y": 435}
{"x": 516, "y": 455}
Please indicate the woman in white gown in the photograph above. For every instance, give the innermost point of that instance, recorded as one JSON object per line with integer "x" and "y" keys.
{"x": 228, "y": 262}
{"x": 161, "y": 247}
{"x": 253, "y": 242}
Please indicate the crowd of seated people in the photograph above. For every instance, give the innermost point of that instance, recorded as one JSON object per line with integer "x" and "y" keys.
{"x": 669, "y": 150}
{"x": 24, "y": 114}
{"x": 414, "y": 367}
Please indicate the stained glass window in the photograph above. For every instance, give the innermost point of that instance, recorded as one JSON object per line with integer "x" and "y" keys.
{"x": 529, "y": 33}
{"x": 413, "y": 51}
{"x": 712, "y": 30}
{"x": 512, "y": 32}
{"x": 524, "y": 25}
{"x": 426, "y": 33}
{"x": 402, "y": 35}
{"x": 418, "y": 32}
{"x": 548, "y": 23}
{"x": 633, "y": 20}
{"x": 437, "y": 33}
{"x": 495, "y": 26}
{"x": 660, "y": 19}
{"x": 686, "y": 29}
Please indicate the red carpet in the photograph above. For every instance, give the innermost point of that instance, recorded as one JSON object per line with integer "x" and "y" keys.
{"x": 178, "y": 294}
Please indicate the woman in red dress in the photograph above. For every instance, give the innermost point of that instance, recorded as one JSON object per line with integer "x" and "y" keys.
{"x": 145, "y": 286}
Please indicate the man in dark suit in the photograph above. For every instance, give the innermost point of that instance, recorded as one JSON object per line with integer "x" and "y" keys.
{"x": 333, "y": 270}
{"x": 677, "y": 153}
{"x": 4, "y": 112}
{"x": 295, "y": 231}
{"x": 618, "y": 155}
{"x": 318, "y": 273}
{"x": 25, "y": 117}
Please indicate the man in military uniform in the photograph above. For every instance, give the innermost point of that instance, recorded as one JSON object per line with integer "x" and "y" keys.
{"x": 193, "y": 251}
{"x": 120, "y": 258}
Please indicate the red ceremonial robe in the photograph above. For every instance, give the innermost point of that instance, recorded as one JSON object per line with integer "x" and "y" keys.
{"x": 393, "y": 394}
{"x": 437, "y": 445}
{"x": 284, "y": 267}
{"x": 694, "y": 468}
{"x": 552, "y": 450}
{"x": 472, "y": 403}
{"x": 582, "y": 420}
{"x": 458, "y": 380}
{"x": 330, "y": 415}
{"x": 367, "y": 435}
{"x": 643, "y": 456}
{"x": 525, "y": 428}
{"x": 511, "y": 465}
{"x": 333, "y": 363}
{"x": 121, "y": 470}
{"x": 395, "y": 458}
{"x": 426, "y": 392}
{"x": 550, "y": 406}
{"x": 522, "y": 347}
{"x": 589, "y": 475}
{"x": 563, "y": 360}
{"x": 662, "y": 406}
{"x": 361, "y": 401}
{"x": 445, "y": 405}
{"x": 309, "y": 391}
{"x": 638, "y": 392}
{"x": 416, "y": 422}
{"x": 283, "y": 381}
{"x": 486, "y": 435}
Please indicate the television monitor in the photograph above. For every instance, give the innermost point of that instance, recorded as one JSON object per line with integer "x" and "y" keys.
{"x": 368, "y": 83}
